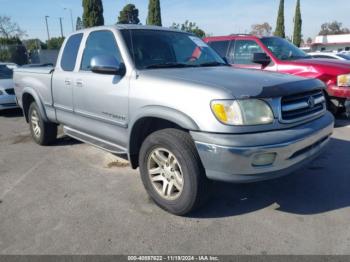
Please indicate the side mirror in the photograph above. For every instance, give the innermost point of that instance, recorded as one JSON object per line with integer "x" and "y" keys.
{"x": 107, "y": 65}
{"x": 261, "y": 58}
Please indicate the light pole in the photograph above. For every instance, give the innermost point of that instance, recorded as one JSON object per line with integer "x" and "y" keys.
{"x": 61, "y": 26}
{"x": 71, "y": 17}
{"x": 47, "y": 27}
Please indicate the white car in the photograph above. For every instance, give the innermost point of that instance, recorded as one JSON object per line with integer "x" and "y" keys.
{"x": 7, "y": 93}
{"x": 337, "y": 56}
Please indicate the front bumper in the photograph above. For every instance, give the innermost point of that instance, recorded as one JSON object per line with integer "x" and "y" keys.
{"x": 230, "y": 157}
{"x": 7, "y": 101}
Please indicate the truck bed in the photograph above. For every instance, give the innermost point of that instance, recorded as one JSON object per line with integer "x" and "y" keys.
{"x": 37, "y": 79}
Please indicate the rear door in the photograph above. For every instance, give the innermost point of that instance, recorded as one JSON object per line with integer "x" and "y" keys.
{"x": 62, "y": 81}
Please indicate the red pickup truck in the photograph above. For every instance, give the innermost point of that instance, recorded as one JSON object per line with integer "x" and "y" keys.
{"x": 278, "y": 54}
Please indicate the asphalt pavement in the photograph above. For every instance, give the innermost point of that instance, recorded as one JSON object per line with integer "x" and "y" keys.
{"x": 71, "y": 198}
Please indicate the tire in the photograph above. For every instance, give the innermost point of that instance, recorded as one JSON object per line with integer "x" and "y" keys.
{"x": 43, "y": 133}
{"x": 169, "y": 157}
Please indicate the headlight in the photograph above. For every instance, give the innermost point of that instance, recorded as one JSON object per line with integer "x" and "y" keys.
{"x": 344, "y": 80}
{"x": 242, "y": 112}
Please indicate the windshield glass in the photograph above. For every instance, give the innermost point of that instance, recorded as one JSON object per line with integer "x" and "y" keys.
{"x": 347, "y": 57}
{"x": 5, "y": 72}
{"x": 166, "y": 49}
{"x": 283, "y": 49}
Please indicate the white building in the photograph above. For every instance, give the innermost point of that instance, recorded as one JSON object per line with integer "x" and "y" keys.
{"x": 331, "y": 43}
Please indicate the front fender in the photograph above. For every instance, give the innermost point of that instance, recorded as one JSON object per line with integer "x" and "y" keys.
{"x": 165, "y": 113}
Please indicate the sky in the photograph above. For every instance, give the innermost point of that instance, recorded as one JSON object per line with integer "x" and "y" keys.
{"x": 217, "y": 17}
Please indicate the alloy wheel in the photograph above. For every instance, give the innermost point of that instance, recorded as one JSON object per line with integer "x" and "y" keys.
{"x": 35, "y": 123}
{"x": 165, "y": 174}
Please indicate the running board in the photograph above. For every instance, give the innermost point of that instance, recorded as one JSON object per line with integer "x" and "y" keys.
{"x": 94, "y": 141}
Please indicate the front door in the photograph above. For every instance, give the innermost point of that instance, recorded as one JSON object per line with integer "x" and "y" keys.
{"x": 241, "y": 54}
{"x": 101, "y": 101}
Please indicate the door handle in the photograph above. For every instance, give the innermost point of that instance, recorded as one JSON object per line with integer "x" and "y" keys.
{"x": 79, "y": 83}
{"x": 68, "y": 82}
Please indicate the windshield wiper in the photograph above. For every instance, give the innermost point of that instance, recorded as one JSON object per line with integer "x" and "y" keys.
{"x": 208, "y": 64}
{"x": 168, "y": 65}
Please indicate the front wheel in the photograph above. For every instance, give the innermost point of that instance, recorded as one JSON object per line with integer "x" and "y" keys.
{"x": 43, "y": 133}
{"x": 172, "y": 172}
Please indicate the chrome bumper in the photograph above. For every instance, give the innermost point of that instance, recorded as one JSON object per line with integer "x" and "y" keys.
{"x": 230, "y": 157}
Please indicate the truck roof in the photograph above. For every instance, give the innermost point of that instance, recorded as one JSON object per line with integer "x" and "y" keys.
{"x": 232, "y": 37}
{"x": 129, "y": 27}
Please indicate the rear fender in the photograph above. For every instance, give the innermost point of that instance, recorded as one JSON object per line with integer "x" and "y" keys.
{"x": 30, "y": 91}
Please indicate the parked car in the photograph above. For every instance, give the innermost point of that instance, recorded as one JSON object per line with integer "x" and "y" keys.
{"x": 328, "y": 55}
{"x": 139, "y": 92}
{"x": 7, "y": 93}
{"x": 279, "y": 55}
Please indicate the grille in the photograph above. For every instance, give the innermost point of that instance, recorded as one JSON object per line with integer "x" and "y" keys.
{"x": 302, "y": 106}
{"x": 10, "y": 91}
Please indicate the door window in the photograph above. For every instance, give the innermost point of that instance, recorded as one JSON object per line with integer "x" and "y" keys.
{"x": 244, "y": 51}
{"x": 220, "y": 47}
{"x": 99, "y": 43}
{"x": 70, "y": 52}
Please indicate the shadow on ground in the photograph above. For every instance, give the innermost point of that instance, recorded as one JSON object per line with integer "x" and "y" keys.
{"x": 11, "y": 113}
{"x": 64, "y": 140}
{"x": 315, "y": 189}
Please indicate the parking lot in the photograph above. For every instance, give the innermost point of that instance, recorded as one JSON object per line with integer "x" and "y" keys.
{"x": 71, "y": 198}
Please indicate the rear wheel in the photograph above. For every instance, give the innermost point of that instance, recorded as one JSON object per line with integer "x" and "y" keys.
{"x": 43, "y": 133}
{"x": 172, "y": 172}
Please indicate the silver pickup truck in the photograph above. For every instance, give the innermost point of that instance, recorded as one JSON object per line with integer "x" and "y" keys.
{"x": 175, "y": 109}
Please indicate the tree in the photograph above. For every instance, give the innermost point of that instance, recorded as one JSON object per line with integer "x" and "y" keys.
{"x": 261, "y": 29}
{"x": 10, "y": 41}
{"x": 34, "y": 44}
{"x": 79, "y": 24}
{"x": 10, "y": 29}
{"x": 280, "y": 28}
{"x": 55, "y": 43}
{"x": 154, "y": 13}
{"x": 129, "y": 15}
{"x": 190, "y": 27}
{"x": 93, "y": 13}
{"x": 12, "y": 50}
{"x": 297, "y": 37}
{"x": 333, "y": 28}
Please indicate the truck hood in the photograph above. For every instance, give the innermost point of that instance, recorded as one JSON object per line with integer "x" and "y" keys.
{"x": 241, "y": 83}
{"x": 330, "y": 63}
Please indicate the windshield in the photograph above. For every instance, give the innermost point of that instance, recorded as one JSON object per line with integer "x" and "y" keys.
{"x": 347, "y": 57}
{"x": 5, "y": 72}
{"x": 283, "y": 49}
{"x": 167, "y": 49}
